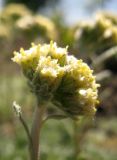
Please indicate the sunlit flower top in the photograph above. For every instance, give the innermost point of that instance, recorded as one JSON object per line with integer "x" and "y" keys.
{"x": 97, "y": 35}
{"x": 55, "y": 76}
{"x": 13, "y": 12}
{"x": 31, "y": 25}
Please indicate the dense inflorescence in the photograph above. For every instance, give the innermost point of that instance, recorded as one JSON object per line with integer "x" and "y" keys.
{"x": 13, "y": 12}
{"x": 55, "y": 76}
{"x": 19, "y": 26}
{"x": 97, "y": 35}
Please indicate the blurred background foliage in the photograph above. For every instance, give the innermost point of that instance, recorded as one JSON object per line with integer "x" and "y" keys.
{"x": 32, "y": 4}
{"x": 95, "y": 41}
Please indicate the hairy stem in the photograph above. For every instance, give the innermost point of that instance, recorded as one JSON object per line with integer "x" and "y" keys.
{"x": 35, "y": 132}
{"x": 17, "y": 109}
{"x": 28, "y": 135}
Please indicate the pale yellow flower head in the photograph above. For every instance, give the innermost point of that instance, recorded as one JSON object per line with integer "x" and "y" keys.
{"x": 36, "y": 27}
{"x": 57, "y": 77}
{"x": 13, "y": 12}
{"x": 98, "y": 36}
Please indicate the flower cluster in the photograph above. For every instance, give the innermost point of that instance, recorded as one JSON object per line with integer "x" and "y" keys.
{"x": 31, "y": 26}
{"x": 19, "y": 26}
{"x": 97, "y": 35}
{"x": 55, "y": 76}
{"x": 13, "y": 12}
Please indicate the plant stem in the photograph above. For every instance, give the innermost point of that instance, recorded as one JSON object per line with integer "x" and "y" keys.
{"x": 17, "y": 109}
{"x": 104, "y": 56}
{"x": 55, "y": 116}
{"x": 76, "y": 141}
{"x": 103, "y": 75}
{"x": 35, "y": 132}
{"x": 81, "y": 128}
{"x": 28, "y": 134}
